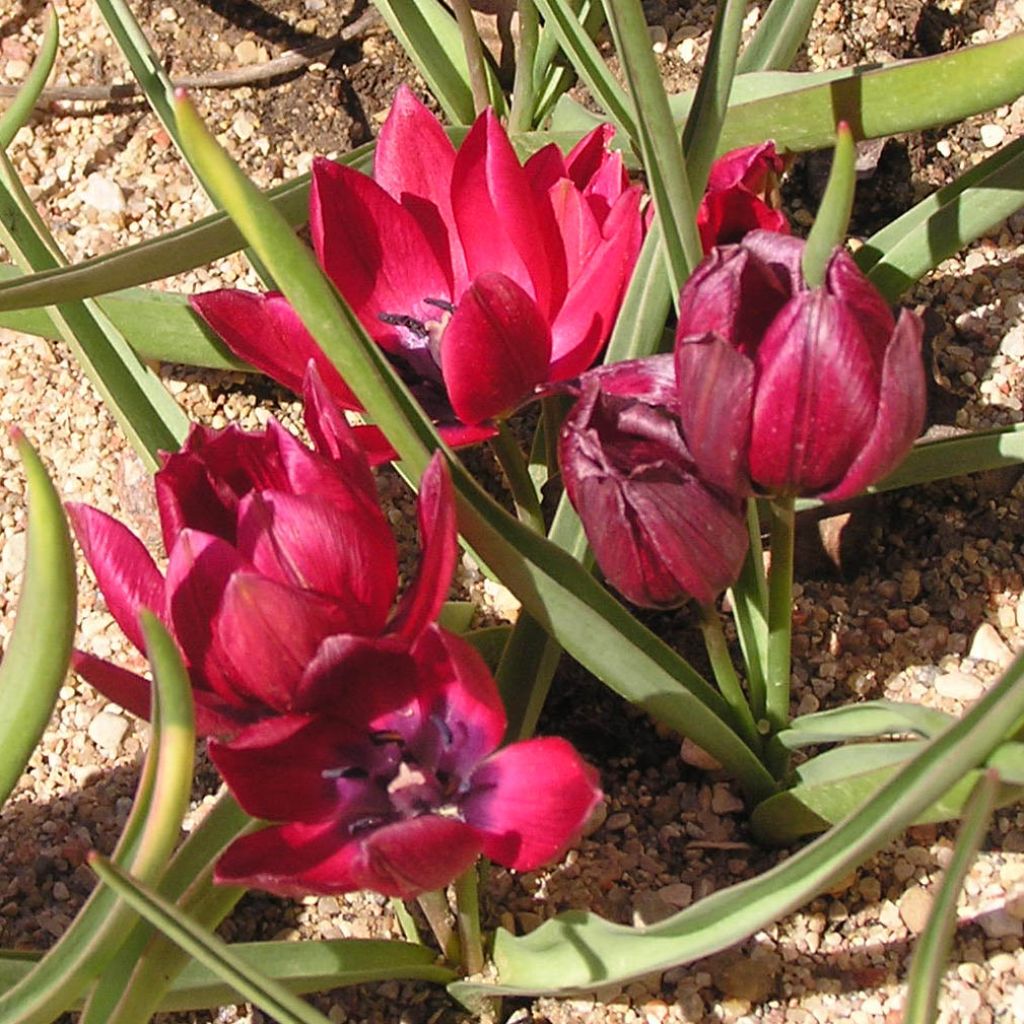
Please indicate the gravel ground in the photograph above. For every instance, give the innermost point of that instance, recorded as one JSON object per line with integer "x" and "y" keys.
{"x": 928, "y": 610}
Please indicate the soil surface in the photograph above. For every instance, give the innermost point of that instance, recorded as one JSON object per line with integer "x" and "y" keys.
{"x": 918, "y": 599}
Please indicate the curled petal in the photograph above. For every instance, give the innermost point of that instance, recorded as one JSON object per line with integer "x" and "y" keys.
{"x": 127, "y": 576}
{"x": 725, "y": 217}
{"x": 866, "y": 307}
{"x": 402, "y": 860}
{"x": 435, "y": 509}
{"x": 495, "y": 350}
{"x": 749, "y": 168}
{"x": 530, "y": 802}
{"x": 901, "y": 410}
{"x": 128, "y": 689}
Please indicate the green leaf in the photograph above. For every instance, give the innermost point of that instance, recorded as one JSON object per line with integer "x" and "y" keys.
{"x": 302, "y": 967}
{"x": 939, "y": 226}
{"x": 456, "y": 616}
{"x": 35, "y": 662}
{"x": 829, "y": 229}
{"x": 657, "y": 140}
{"x": 20, "y": 108}
{"x": 778, "y": 37}
{"x": 833, "y": 784}
{"x": 578, "y": 951}
{"x": 268, "y": 994}
{"x": 430, "y": 36}
{"x": 490, "y": 642}
{"x": 931, "y": 953}
{"x": 862, "y": 721}
{"x": 153, "y": 826}
{"x": 575, "y": 38}
{"x": 555, "y": 74}
{"x": 142, "y": 406}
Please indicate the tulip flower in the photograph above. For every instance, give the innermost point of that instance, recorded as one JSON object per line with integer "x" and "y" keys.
{"x": 481, "y": 277}
{"x": 397, "y": 788}
{"x": 272, "y": 548}
{"x": 659, "y": 532}
{"x": 737, "y": 197}
{"x": 789, "y": 390}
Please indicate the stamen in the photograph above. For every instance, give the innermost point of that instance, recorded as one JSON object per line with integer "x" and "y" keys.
{"x": 408, "y": 322}
{"x": 383, "y": 736}
{"x": 444, "y": 729}
{"x": 448, "y": 307}
{"x": 354, "y": 772}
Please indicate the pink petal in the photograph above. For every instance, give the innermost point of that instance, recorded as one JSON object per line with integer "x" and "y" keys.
{"x": 585, "y": 321}
{"x": 901, "y": 409}
{"x": 341, "y": 551}
{"x": 845, "y": 280}
{"x": 413, "y": 164}
{"x": 265, "y": 331}
{"x": 374, "y": 250}
{"x": 401, "y": 860}
{"x": 715, "y": 389}
{"x": 502, "y": 225}
{"x": 544, "y": 168}
{"x": 530, "y": 802}
{"x": 579, "y": 228}
{"x": 117, "y": 684}
{"x": 746, "y": 168}
{"x": 435, "y": 508}
{"x": 495, "y": 349}
{"x": 125, "y": 572}
{"x": 727, "y": 216}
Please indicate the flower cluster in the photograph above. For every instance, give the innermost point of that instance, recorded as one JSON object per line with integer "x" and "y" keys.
{"x": 775, "y": 388}
{"x": 365, "y": 729}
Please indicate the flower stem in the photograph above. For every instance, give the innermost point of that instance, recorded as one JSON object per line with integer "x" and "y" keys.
{"x": 435, "y": 909}
{"x": 406, "y": 922}
{"x": 467, "y": 913}
{"x": 749, "y": 598}
{"x": 780, "y": 612}
{"x": 474, "y": 54}
{"x": 520, "y": 118}
{"x": 725, "y": 674}
{"x": 508, "y": 453}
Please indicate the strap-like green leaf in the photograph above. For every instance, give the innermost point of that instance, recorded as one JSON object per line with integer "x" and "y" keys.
{"x": 778, "y": 37}
{"x": 35, "y": 662}
{"x": 863, "y": 721}
{"x": 829, "y": 230}
{"x": 579, "y": 950}
{"x": 20, "y": 109}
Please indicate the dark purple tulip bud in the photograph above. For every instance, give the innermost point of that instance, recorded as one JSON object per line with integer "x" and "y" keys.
{"x": 659, "y": 532}
{"x": 785, "y": 389}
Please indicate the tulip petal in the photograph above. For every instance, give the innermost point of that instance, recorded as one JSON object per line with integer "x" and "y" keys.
{"x": 435, "y": 509}
{"x": 375, "y": 252}
{"x": 502, "y": 225}
{"x": 817, "y": 393}
{"x": 413, "y": 164}
{"x": 715, "y": 385}
{"x": 845, "y": 280}
{"x": 310, "y": 542}
{"x": 530, "y": 801}
{"x": 495, "y": 350}
{"x": 727, "y": 216}
{"x": 125, "y": 572}
{"x": 457, "y": 688}
{"x": 587, "y": 316}
{"x": 747, "y": 168}
{"x": 901, "y": 410}
{"x": 117, "y": 684}
{"x": 265, "y": 331}
{"x": 402, "y": 860}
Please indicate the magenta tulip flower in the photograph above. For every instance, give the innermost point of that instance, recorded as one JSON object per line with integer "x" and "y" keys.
{"x": 480, "y": 276}
{"x": 790, "y": 390}
{"x": 272, "y": 548}
{"x": 397, "y": 788}
{"x": 736, "y": 200}
{"x": 660, "y": 534}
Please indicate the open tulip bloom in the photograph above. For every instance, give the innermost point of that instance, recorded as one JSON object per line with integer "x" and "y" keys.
{"x": 390, "y": 780}
{"x": 481, "y": 277}
{"x": 272, "y": 548}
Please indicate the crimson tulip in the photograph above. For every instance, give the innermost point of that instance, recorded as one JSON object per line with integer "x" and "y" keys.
{"x": 480, "y": 276}
{"x": 397, "y": 788}
{"x": 659, "y": 532}
{"x": 785, "y": 389}
{"x": 272, "y": 548}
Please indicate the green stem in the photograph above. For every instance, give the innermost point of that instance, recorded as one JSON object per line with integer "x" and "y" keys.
{"x": 520, "y": 118}
{"x": 725, "y": 675}
{"x": 524, "y": 675}
{"x": 467, "y": 912}
{"x": 435, "y": 909}
{"x": 406, "y": 922}
{"x": 749, "y": 597}
{"x": 780, "y": 612}
{"x": 474, "y": 54}
{"x": 508, "y": 453}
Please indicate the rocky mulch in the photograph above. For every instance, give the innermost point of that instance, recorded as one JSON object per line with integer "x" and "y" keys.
{"x": 927, "y": 610}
